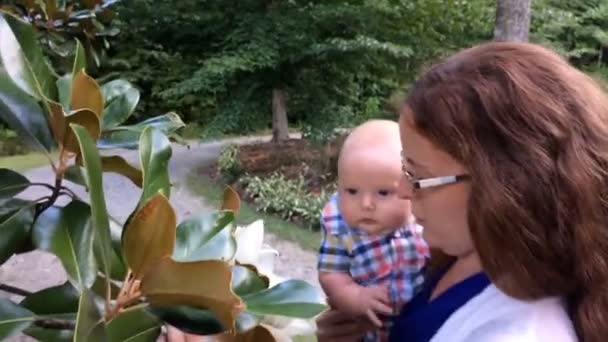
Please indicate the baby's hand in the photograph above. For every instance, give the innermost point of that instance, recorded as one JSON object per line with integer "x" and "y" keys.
{"x": 373, "y": 300}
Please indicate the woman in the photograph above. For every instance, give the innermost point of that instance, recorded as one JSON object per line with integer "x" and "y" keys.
{"x": 506, "y": 164}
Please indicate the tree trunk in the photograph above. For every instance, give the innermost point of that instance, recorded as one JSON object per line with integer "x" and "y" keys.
{"x": 280, "y": 130}
{"x": 512, "y": 20}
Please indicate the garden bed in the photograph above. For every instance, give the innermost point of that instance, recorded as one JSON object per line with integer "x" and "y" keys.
{"x": 292, "y": 179}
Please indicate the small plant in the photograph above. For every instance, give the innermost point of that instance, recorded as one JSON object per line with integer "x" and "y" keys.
{"x": 228, "y": 163}
{"x": 125, "y": 280}
{"x": 289, "y": 198}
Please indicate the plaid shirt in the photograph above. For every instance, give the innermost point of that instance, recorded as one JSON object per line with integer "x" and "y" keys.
{"x": 396, "y": 259}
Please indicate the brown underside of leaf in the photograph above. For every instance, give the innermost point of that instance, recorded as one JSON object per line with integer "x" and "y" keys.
{"x": 201, "y": 284}
{"x": 86, "y": 93}
{"x": 231, "y": 200}
{"x": 149, "y": 236}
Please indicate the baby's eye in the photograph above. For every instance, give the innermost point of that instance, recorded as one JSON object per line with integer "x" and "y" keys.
{"x": 351, "y": 191}
{"x": 384, "y": 192}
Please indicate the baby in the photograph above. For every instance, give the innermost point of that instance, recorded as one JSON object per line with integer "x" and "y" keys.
{"x": 372, "y": 253}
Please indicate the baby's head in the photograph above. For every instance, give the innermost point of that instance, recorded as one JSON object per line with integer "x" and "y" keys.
{"x": 369, "y": 170}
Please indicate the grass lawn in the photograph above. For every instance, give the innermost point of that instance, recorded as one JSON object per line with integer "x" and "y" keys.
{"x": 212, "y": 191}
{"x": 24, "y": 162}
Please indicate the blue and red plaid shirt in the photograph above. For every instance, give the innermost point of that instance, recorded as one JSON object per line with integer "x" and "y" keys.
{"x": 396, "y": 259}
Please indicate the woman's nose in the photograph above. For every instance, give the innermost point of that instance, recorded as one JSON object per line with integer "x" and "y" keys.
{"x": 404, "y": 189}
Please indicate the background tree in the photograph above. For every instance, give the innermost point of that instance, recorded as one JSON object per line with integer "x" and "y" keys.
{"x": 512, "y": 20}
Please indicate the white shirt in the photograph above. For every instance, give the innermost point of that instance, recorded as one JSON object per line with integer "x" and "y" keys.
{"x": 492, "y": 316}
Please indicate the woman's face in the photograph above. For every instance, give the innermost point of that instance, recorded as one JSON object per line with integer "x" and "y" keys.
{"x": 441, "y": 210}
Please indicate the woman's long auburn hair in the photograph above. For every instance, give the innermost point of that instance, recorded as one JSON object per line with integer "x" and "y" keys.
{"x": 532, "y": 131}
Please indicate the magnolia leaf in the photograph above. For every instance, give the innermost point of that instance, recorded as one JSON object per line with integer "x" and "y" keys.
{"x": 86, "y": 93}
{"x": 231, "y": 200}
{"x": 99, "y": 213}
{"x": 189, "y": 319}
{"x": 204, "y": 322}
{"x": 76, "y": 174}
{"x": 15, "y": 231}
{"x": 206, "y": 237}
{"x": 11, "y": 183}
{"x": 149, "y": 236}
{"x": 49, "y": 335}
{"x": 13, "y": 318}
{"x": 128, "y": 136}
{"x": 292, "y": 298}
{"x": 80, "y": 61}
{"x": 53, "y": 300}
{"x": 85, "y": 118}
{"x": 134, "y": 326}
{"x": 57, "y": 120}
{"x": 23, "y": 59}
{"x": 118, "y": 164}
{"x": 67, "y": 233}
{"x": 257, "y": 334}
{"x": 121, "y": 98}
{"x": 154, "y": 153}
{"x": 64, "y": 88}
{"x": 89, "y": 323}
{"x": 22, "y": 113}
{"x": 202, "y": 284}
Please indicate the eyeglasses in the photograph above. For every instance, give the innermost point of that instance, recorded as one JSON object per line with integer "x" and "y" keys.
{"x": 424, "y": 183}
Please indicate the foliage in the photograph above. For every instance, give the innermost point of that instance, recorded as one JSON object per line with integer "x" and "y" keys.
{"x": 228, "y": 163}
{"x": 578, "y": 29}
{"x": 290, "y": 198}
{"x": 60, "y": 23}
{"x": 10, "y": 144}
{"x": 338, "y": 60}
{"x": 124, "y": 280}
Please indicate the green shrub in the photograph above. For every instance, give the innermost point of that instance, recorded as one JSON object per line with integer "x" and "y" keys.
{"x": 228, "y": 163}
{"x": 289, "y": 198}
{"x": 11, "y": 144}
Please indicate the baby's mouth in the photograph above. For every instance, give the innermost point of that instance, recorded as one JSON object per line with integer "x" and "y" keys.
{"x": 367, "y": 221}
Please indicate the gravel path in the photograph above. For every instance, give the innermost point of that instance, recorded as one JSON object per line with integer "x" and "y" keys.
{"x": 37, "y": 270}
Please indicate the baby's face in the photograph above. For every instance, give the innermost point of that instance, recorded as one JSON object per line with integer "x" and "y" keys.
{"x": 368, "y": 194}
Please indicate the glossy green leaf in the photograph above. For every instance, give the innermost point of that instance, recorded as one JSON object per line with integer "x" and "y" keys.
{"x": 80, "y": 59}
{"x": 201, "y": 321}
{"x": 13, "y": 318}
{"x": 68, "y": 233}
{"x": 64, "y": 89}
{"x": 11, "y": 205}
{"x": 292, "y": 298}
{"x": 99, "y": 213}
{"x": 119, "y": 165}
{"x": 246, "y": 281}
{"x": 206, "y": 237}
{"x": 22, "y": 113}
{"x": 54, "y": 300}
{"x": 89, "y": 323}
{"x": 128, "y": 136}
{"x": 201, "y": 284}
{"x": 134, "y": 326}
{"x": 49, "y": 335}
{"x": 149, "y": 236}
{"x": 23, "y": 59}
{"x": 121, "y": 98}
{"x": 11, "y": 183}
{"x": 189, "y": 319}
{"x": 15, "y": 231}
{"x": 154, "y": 154}
{"x": 76, "y": 175}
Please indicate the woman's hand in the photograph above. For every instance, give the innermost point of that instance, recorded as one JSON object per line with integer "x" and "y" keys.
{"x": 175, "y": 335}
{"x": 336, "y": 326}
